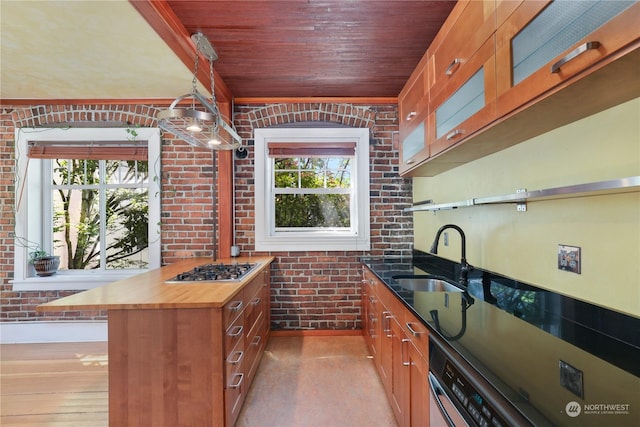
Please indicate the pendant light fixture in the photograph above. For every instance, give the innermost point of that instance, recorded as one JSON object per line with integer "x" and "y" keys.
{"x": 201, "y": 125}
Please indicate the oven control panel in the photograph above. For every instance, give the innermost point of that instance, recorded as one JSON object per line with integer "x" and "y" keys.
{"x": 478, "y": 408}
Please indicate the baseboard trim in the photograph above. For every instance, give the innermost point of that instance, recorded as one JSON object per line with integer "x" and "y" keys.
{"x": 316, "y": 332}
{"x": 52, "y": 332}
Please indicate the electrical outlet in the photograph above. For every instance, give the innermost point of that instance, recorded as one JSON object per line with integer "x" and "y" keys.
{"x": 446, "y": 238}
{"x": 571, "y": 378}
{"x": 569, "y": 258}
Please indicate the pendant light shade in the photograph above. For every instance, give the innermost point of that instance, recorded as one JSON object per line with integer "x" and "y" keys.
{"x": 202, "y": 125}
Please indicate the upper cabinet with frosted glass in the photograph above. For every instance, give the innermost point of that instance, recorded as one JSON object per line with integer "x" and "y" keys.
{"x": 462, "y": 70}
{"x": 412, "y": 110}
{"x": 541, "y": 45}
{"x": 503, "y": 71}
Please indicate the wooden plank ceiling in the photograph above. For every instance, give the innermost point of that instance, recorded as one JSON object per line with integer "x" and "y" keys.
{"x": 313, "y": 48}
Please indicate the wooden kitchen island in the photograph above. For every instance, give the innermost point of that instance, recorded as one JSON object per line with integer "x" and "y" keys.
{"x": 180, "y": 354}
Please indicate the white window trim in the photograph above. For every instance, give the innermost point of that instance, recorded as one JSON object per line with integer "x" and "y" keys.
{"x": 265, "y": 239}
{"x": 26, "y": 195}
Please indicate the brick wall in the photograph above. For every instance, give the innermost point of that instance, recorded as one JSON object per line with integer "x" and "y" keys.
{"x": 321, "y": 290}
{"x": 315, "y": 290}
{"x": 187, "y": 196}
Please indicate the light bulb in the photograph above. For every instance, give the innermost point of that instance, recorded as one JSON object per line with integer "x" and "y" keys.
{"x": 194, "y": 126}
{"x": 214, "y": 140}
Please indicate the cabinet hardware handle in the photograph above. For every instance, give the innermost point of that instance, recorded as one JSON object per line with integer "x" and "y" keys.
{"x": 413, "y": 331}
{"x": 372, "y": 300}
{"x": 256, "y": 340}
{"x": 238, "y": 358}
{"x": 410, "y": 116}
{"x": 372, "y": 318}
{"x": 235, "y": 331}
{"x": 238, "y": 382}
{"x": 405, "y": 341}
{"x": 410, "y": 161}
{"x": 255, "y": 301}
{"x": 387, "y": 329}
{"x": 235, "y": 306}
{"x": 555, "y": 68}
{"x": 454, "y": 134}
{"x": 453, "y": 67}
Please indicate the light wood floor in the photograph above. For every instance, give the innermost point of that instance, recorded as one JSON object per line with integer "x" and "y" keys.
{"x": 301, "y": 382}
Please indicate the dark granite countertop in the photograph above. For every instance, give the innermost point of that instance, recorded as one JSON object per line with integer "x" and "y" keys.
{"x": 517, "y": 334}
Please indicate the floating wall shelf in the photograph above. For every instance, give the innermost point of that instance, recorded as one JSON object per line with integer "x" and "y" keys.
{"x": 521, "y": 197}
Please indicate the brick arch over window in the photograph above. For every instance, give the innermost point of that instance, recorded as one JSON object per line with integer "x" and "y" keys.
{"x": 85, "y": 116}
{"x": 281, "y": 114}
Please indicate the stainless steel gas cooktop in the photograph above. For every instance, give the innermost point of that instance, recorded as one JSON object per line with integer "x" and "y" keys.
{"x": 215, "y": 273}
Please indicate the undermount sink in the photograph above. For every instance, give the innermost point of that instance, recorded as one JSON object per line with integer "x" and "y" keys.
{"x": 425, "y": 284}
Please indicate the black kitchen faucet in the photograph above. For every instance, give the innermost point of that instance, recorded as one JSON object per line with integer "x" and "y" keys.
{"x": 464, "y": 265}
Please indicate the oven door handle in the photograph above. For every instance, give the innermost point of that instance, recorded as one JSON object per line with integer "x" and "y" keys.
{"x": 438, "y": 393}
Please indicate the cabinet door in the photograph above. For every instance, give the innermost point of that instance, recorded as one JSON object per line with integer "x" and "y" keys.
{"x": 418, "y": 388}
{"x": 466, "y": 104}
{"x": 399, "y": 396}
{"x": 413, "y": 109}
{"x": 467, "y": 29}
{"x": 412, "y": 100}
{"x": 414, "y": 148}
{"x": 542, "y": 45}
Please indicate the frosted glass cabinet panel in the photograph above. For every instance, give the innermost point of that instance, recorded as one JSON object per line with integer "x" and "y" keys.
{"x": 543, "y": 45}
{"x": 413, "y": 144}
{"x": 557, "y": 28}
{"x": 464, "y": 103}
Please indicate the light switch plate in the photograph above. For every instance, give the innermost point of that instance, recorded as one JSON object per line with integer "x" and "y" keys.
{"x": 569, "y": 258}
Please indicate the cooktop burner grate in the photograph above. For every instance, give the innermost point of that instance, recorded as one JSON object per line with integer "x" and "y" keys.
{"x": 214, "y": 272}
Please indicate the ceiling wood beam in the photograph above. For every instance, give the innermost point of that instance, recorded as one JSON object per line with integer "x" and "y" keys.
{"x": 164, "y": 21}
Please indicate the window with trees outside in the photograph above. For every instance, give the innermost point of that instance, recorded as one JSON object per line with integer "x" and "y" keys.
{"x": 91, "y": 197}
{"x": 312, "y": 189}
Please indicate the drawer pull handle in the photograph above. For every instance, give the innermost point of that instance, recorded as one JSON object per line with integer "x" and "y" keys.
{"x": 235, "y": 331}
{"x": 405, "y": 341}
{"x": 453, "y": 67}
{"x": 386, "y": 315}
{"x": 555, "y": 68}
{"x": 238, "y": 378}
{"x": 409, "y": 162}
{"x": 410, "y": 116}
{"x": 238, "y": 358}
{"x": 255, "y": 301}
{"x": 256, "y": 340}
{"x": 235, "y": 306}
{"x": 372, "y": 300}
{"x": 413, "y": 331}
{"x": 454, "y": 134}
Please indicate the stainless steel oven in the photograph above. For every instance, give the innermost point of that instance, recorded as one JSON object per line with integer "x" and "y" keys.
{"x": 461, "y": 397}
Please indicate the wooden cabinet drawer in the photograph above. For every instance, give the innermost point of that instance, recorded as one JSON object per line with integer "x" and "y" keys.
{"x": 234, "y": 334}
{"x": 417, "y": 333}
{"x": 253, "y": 312}
{"x": 233, "y": 309}
{"x": 542, "y": 45}
{"x": 469, "y": 26}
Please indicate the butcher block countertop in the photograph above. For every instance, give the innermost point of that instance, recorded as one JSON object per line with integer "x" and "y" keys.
{"x": 149, "y": 290}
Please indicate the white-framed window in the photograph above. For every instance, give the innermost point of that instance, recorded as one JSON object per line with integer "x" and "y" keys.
{"x": 312, "y": 189}
{"x": 90, "y": 196}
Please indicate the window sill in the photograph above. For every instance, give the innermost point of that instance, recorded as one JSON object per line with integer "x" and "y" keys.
{"x": 68, "y": 282}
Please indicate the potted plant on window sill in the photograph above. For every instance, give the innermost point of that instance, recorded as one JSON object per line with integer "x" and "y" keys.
{"x": 43, "y": 263}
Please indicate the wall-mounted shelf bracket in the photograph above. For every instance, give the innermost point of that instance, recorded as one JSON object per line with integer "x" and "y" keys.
{"x": 522, "y": 196}
{"x": 521, "y": 206}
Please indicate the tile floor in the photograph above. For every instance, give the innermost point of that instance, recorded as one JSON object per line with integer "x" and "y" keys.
{"x": 316, "y": 382}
